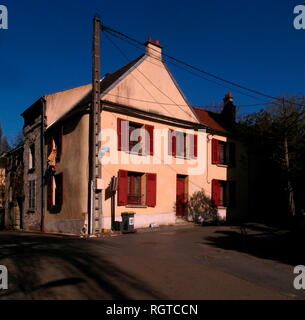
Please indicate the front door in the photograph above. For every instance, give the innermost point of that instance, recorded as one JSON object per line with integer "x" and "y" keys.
{"x": 181, "y": 196}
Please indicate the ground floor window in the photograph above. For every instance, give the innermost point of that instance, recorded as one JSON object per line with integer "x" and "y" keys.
{"x": 224, "y": 193}
{"x": 32, "y": 194}
{"x": 137, "y": 188}
{"x": 55, "y": 192}
{"x": 135, "y": 193}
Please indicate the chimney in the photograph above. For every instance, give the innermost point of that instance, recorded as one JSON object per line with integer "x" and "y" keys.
{"x": 153, "y": 48}
{"x": 229, "y": 111}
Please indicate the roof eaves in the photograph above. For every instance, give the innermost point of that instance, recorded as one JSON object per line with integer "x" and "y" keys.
{"x": 122, "y": 73}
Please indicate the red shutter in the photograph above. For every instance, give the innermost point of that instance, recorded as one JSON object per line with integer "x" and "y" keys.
{"x": 123, "y": 137}
{"x": 215, "y": 152}
{"x": 195, "y": 146}
{"x": 151, "y": 189}
{"x": 193, "y": 140}
{"x": 122, "y": 187}
{"x": 216, "y": 193}
{"x": 50, "y": 192}
{"x": 150, "y": 138}
{"x": 172, "y": 143}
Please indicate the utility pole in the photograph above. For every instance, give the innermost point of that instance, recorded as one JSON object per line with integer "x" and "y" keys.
{"x": 290, "y": 191}
{"x": 95, "y": 168}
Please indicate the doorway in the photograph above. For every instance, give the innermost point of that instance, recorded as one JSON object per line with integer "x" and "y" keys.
{"x": 181, "y": 198}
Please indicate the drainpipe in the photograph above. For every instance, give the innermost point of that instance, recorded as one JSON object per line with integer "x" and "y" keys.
{"x": 42, "y": 157}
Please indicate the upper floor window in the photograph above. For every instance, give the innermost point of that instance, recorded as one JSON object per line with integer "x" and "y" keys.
{"x": 32, "y": 157}
{"x": 55, "y": 146}
{"x": 135, "y": 137}
{"x": 182, "y": 145}
{"x": 223, "y": 153}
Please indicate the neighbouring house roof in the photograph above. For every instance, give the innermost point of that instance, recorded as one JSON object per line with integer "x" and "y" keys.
{"x": 211, "y": 119}
{"x": 62, "y": 102}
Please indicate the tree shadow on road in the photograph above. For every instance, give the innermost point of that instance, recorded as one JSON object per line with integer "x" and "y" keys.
{"x": 261, "y": 242}
{"x": 81, "y": 265}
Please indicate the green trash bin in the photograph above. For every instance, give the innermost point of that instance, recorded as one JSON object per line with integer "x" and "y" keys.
{"x": 128, "y": 222}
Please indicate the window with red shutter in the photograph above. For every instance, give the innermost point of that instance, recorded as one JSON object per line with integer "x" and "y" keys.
{"x": 123, "y": 134}
{"x": 173, "y": 142}
{"x": 193, "y": 146}
{"x": 122, "y": 187}
{"x": 215, "y": 152}
{"x": 151, "y": 189}
{"x": 216, "y": 193}
{"x": 149, "y": 140}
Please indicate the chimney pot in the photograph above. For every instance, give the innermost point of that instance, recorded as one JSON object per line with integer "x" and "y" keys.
{"x": 157, "y": 42}
{"x": 149, "y": 39}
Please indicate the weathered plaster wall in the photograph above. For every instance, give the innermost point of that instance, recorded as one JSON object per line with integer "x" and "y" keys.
{"x": 74, "y": 166}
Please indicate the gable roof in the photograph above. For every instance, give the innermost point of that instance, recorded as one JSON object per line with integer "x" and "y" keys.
{"x": 113, "y": 89}
{"x": 211, "y": 119}
{"x": 111, "y": 78}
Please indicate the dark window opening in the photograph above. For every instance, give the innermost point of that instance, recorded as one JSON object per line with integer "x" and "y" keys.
{"x": 134, "y": 191}
{"x": 224, "y": 193}
{"x": 223, "y": 153}
{"x": 32, "y": 194}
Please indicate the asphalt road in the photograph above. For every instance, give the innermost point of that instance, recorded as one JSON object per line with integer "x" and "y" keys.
{"x": 189, "y": 262}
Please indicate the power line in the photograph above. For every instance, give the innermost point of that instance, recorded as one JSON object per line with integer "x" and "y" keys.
{"x": 189, "y": 71}
{"x": 263, "y": 102}
{"x": 112, "y": 31}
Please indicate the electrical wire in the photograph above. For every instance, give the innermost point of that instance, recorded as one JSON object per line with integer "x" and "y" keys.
{"x": 212, "y": 75}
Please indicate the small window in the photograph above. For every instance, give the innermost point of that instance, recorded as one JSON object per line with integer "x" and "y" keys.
{"x": 224, "y": 193}
{"x": 182, "y": 145}
{"x": 55, "y": 146}
{"x": 135, "y": 137}
{"x": 135, "y": 194}
{"x": 223, "y": 153}
{"x": 32, "y": 157}
{"x": 32, "y": 194}
{"x": 55, "y": 193}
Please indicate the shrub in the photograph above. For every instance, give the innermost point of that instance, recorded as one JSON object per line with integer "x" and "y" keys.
{"x": 201, "y": 208}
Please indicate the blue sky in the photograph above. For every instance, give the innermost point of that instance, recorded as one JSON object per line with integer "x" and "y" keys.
{"x": 48, "y": 47}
